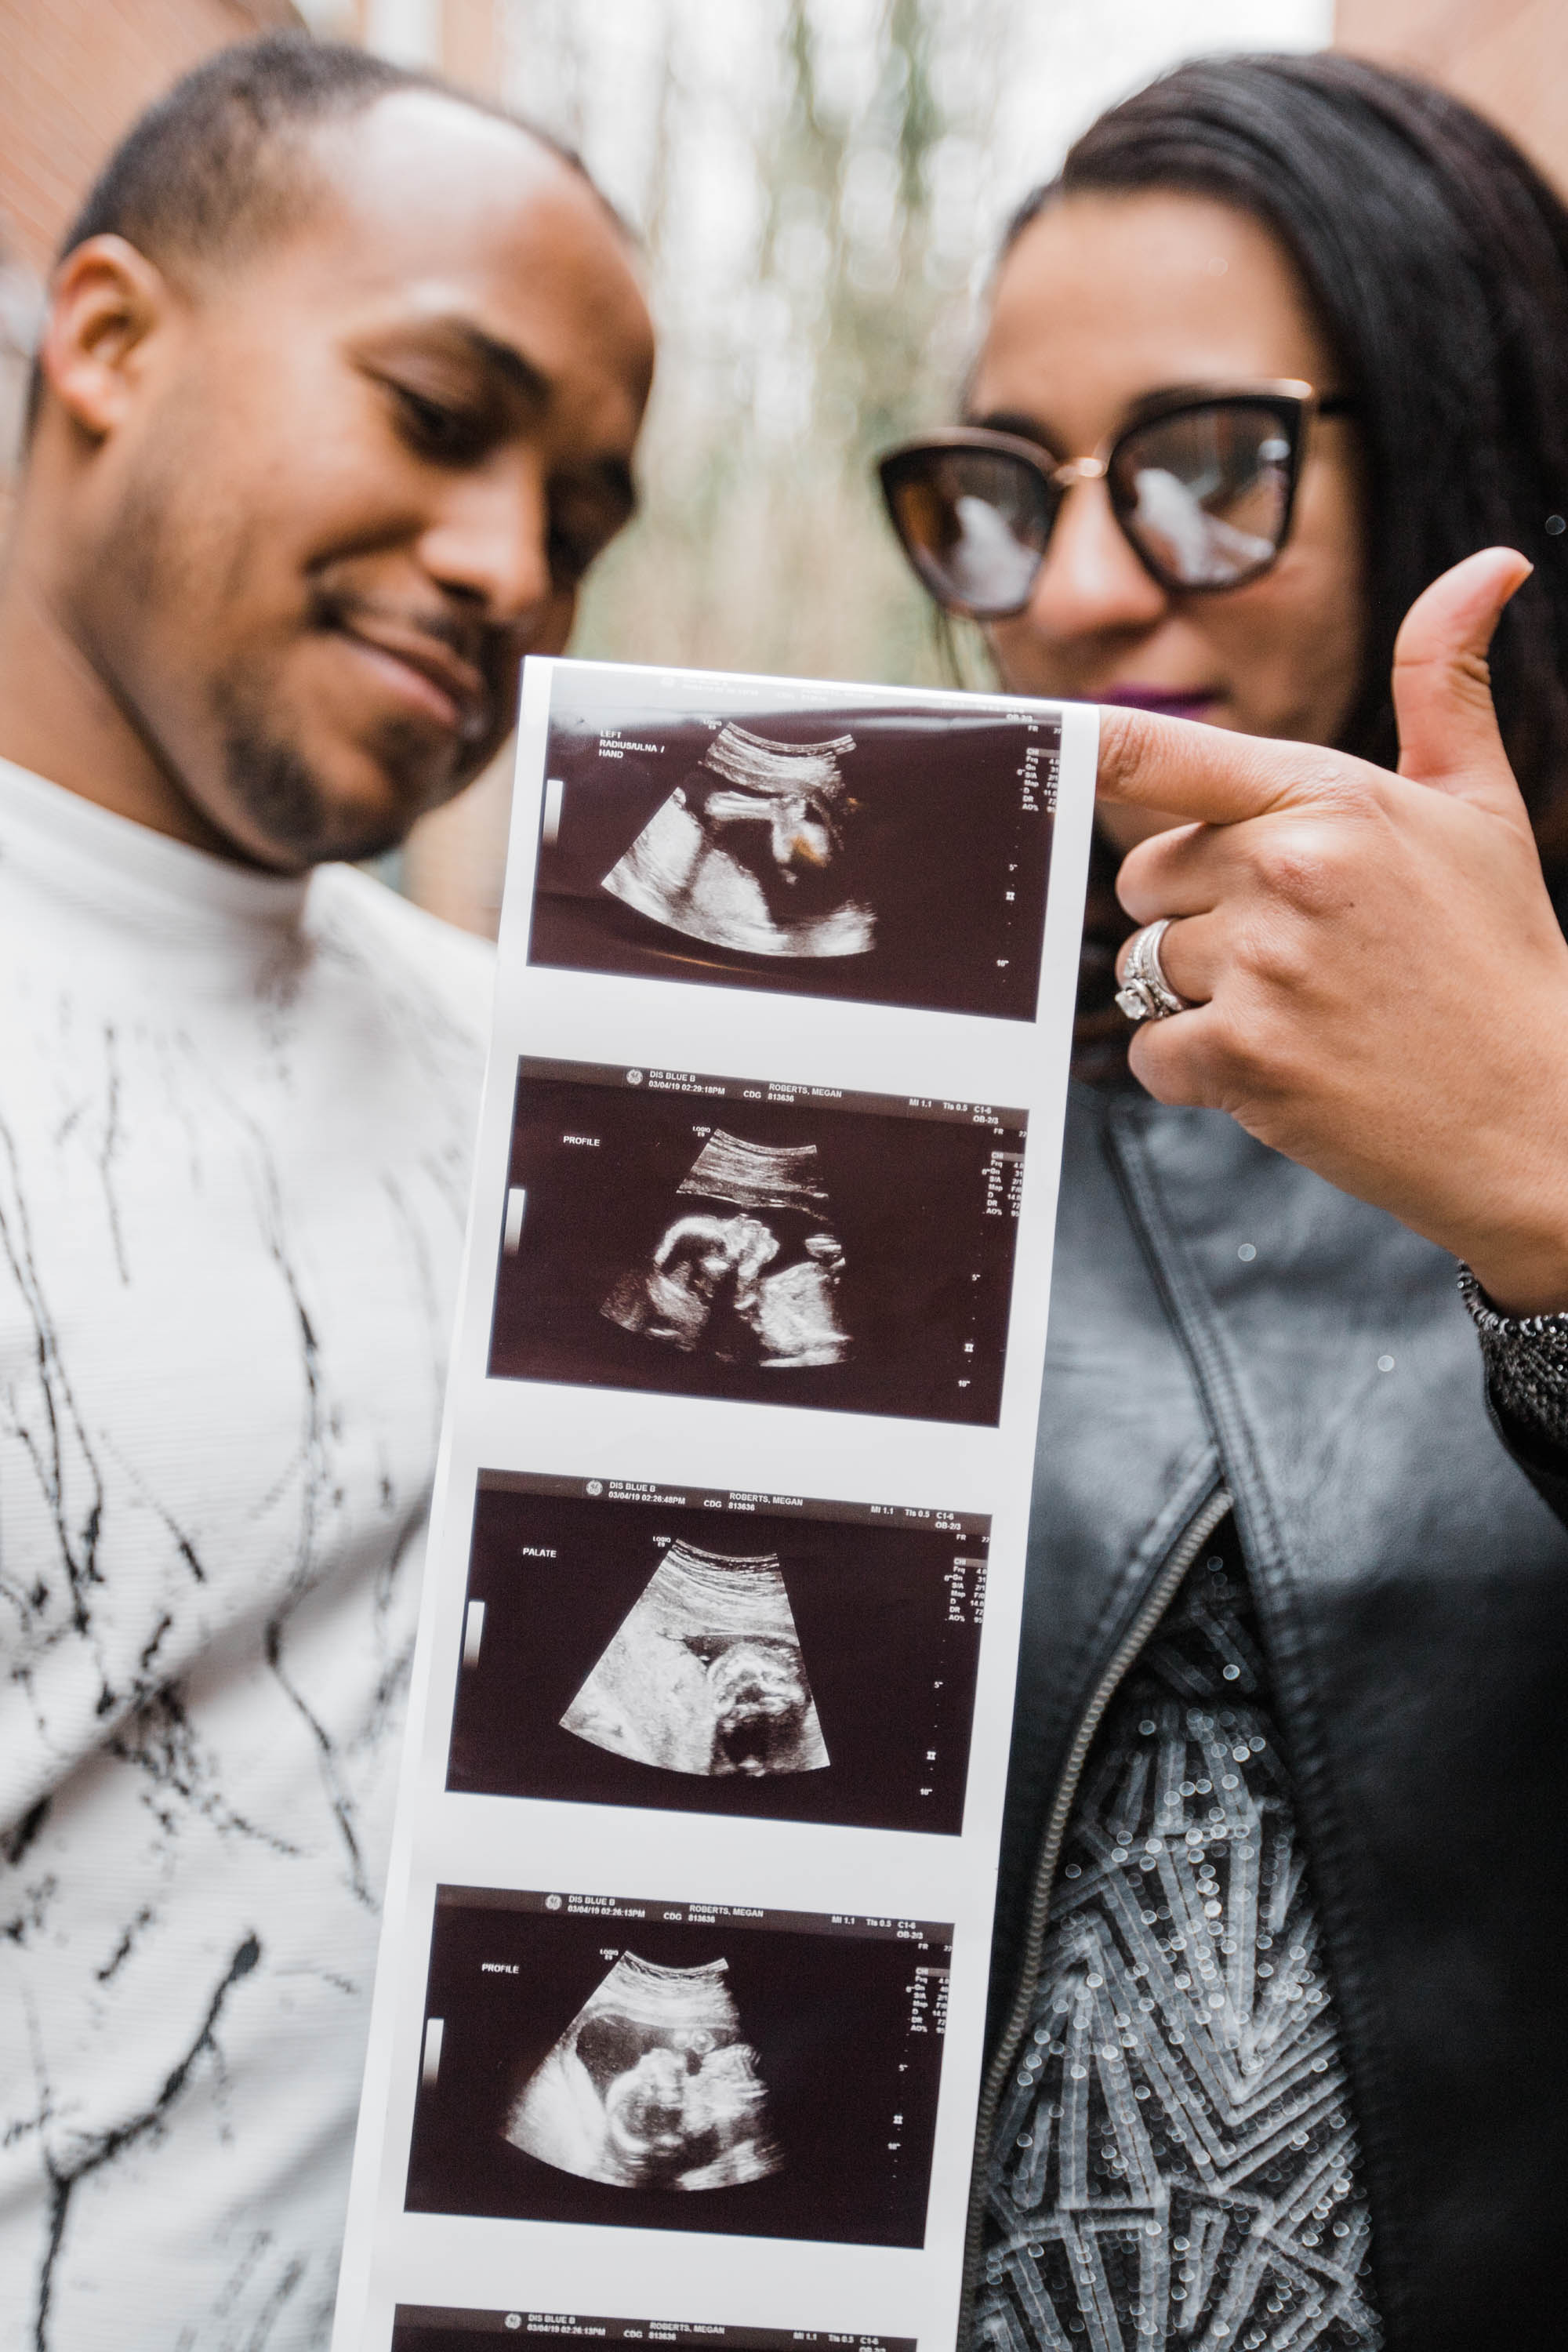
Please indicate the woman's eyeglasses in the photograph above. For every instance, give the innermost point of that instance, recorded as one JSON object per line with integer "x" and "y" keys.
{"x": 1202, "y": 482}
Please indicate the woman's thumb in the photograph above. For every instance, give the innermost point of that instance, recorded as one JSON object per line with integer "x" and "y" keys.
{"x": 1442, "y": 691}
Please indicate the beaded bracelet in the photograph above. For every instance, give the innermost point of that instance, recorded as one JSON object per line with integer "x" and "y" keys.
{"x": 1526, "y": 1358}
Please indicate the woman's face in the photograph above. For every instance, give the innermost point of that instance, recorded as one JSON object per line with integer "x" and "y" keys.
{"x": 1105, "y": 298}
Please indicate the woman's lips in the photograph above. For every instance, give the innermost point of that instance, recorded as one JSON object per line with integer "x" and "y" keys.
{"x": 1170, "y": 701}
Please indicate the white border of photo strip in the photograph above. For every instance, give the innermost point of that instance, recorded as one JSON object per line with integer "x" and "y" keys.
{"x": 393, "y": 2257}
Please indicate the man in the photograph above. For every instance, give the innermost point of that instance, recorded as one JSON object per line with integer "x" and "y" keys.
{"x": 336, "y": 402}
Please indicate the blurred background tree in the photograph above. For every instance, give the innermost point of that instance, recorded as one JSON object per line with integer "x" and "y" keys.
{"x": 820, "y": 186}
{"x": 812, "y": 310}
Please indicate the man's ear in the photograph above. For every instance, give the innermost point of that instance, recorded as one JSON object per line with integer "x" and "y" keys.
{"x": 105, "y": 302}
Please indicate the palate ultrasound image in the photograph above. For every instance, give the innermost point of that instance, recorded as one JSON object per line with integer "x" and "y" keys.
{"x": 651, "y": 2065}
{"x": 705, "y": 1675}
{"x": 714, "y": 1237}
{"x": 888, "y": 856}
{"x": 693, "y": 1653}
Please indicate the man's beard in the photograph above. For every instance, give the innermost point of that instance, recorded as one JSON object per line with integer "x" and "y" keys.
{"x": 294, "y": 811}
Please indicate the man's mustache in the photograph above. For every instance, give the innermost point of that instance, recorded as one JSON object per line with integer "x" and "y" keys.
{"x": 494, "y": 649}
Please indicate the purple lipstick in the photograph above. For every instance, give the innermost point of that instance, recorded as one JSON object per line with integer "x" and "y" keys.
{"x": 1170, "y": 701}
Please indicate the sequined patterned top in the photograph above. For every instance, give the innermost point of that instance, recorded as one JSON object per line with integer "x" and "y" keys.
{"x": 1177, "y": 2159}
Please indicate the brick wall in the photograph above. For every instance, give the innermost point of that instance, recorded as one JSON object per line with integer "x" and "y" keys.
{"x": 73, "y": 74}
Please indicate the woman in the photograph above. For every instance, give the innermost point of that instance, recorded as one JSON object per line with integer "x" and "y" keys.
{"x": 1280, "y": 2050}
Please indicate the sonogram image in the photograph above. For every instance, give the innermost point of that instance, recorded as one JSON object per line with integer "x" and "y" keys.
{"x": 751, "y": 1286}
{"x": 721, "y": 1238}
{"x": 875, "y": 852}
{"x": 703, "y": 1652}
{"x": 705, "y": 1673}
{"x": 642, "y": 2063}
{"x": 651, "y": 2086}
{"x": 433, "y": 2328}
{"x": 747, "y": 852}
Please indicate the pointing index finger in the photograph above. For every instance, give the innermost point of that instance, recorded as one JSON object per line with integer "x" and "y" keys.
{"x": 1203, "y": 775}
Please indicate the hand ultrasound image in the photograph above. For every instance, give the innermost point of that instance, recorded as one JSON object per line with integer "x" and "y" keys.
{"x": 425, "y": 2327}
{"x": 890, "y": 855}
{"x": 593, "y": 2059}
{"x": 693, "y": 1652}
{"x": 725, "y": 1238}
{"x": 749, "y": 851}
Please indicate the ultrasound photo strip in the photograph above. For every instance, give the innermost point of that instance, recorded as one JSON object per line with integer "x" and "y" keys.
{"x": 728, "y": 1543}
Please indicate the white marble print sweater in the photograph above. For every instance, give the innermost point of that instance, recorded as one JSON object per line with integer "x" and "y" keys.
{"x": 236, "y": 1117}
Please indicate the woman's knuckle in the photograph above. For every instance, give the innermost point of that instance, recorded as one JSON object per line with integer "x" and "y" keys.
{"x": 1278, "y": 951}
{"x": 1245, "y": 1034}
{"x": 1304, "y": 863}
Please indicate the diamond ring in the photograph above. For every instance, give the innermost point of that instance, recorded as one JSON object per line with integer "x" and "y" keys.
{"x": 1145, "y": 993}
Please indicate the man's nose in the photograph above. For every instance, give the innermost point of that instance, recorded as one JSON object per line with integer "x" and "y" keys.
{"x": 489, "y": 544}
{"x": 1091, "y": 584}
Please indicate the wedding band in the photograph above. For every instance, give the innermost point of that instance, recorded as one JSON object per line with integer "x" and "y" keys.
{"x": 1145, "y": 993}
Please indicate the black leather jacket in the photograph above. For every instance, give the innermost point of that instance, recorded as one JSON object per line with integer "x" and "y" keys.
{"x": 1217, "y": 1322}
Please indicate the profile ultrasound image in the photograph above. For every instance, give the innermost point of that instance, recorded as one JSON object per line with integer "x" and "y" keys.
{"x": 889, "y": 855}
{"x": 651, "y": 2085}
{"x": 732, "y": 1284}
{"x": 592, "y": 2059}
{"x": 699, "y": 1651}
{"x": 724, "y": 1238}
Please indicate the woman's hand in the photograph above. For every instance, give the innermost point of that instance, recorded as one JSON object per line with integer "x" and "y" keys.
{"x": 1380, "y": 985}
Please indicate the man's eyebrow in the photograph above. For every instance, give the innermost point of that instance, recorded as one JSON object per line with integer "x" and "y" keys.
{"x": 501, "y": 358}
{"x": 611, "y": 474}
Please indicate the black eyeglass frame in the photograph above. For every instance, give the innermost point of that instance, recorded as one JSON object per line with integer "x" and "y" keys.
{"x": 1294, "y": 402}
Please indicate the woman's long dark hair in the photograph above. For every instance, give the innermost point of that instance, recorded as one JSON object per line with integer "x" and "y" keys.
{"x": 1436, "y": 260}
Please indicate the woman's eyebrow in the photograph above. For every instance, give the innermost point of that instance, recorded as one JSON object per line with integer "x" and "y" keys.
{"x": 614, "y": 476}
{"x": 1008, "y": 420}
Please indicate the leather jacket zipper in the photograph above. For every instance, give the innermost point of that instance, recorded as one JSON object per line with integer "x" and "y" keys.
{"x": 1161, "y": 1594}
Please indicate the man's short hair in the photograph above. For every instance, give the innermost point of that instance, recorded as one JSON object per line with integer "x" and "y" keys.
{"x": 213, "y": 168}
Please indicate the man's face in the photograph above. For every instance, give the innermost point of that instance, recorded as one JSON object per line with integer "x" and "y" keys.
{"x": 358, "y": 480}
